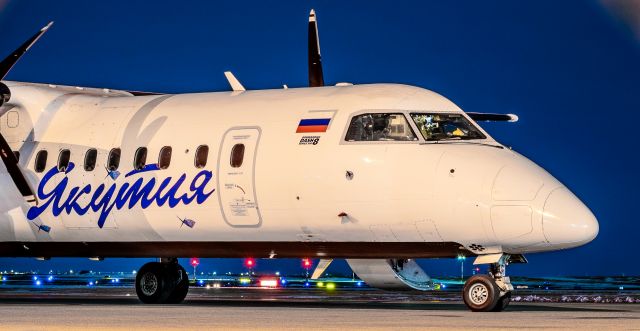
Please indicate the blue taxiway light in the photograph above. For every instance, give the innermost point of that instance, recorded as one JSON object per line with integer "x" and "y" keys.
{"x": 50, "y": 278}
{"x": 38, "y": 283}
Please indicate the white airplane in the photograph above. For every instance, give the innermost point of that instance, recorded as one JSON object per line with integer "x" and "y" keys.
{"x": 378, "y": 174}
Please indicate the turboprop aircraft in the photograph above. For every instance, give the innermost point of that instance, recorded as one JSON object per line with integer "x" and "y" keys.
{"x": 378, "y": 174}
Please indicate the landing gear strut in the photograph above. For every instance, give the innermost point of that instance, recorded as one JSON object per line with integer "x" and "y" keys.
{"x": 490, "y": 292}
{"x": 162, "y": 282}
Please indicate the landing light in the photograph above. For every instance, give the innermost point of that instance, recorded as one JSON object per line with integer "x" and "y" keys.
{"x": 268, "y": 283}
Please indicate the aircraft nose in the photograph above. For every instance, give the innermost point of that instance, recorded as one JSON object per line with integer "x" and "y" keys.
{"x": 567, "y": 221}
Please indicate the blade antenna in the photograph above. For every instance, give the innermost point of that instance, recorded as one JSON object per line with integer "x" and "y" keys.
{"x": 316, "y": 78}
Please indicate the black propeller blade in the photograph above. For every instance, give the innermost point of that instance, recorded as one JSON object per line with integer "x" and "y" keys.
{"x": 10, "y": 61}
{"x": 6, "y": 154}
{"x": 11, "y": 162}
{"x": 315, "y": 63}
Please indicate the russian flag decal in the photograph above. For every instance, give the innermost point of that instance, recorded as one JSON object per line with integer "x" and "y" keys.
{"x": 313, "y": 125}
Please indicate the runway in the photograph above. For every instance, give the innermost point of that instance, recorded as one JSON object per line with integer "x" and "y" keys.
{"x": 119, "y": 309}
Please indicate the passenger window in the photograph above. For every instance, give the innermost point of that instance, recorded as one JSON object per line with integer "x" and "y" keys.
{"x": 380, "y": 127}
{"x": 41, "y": 161}
{"x": 90, "y": 160}
{"x": 237, "y": 155}
{"x": 202, "y": 154}
{"x": 165, "y": 157}
{"x": 140, "y": 159}
{"x": 114, "y": 159}
{"x": 63, "y": 160}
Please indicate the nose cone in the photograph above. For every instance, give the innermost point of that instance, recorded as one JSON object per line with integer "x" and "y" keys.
{"x": 567, "y": 221}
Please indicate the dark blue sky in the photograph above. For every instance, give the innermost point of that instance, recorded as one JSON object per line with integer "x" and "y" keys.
{"x": 569, "y": 69}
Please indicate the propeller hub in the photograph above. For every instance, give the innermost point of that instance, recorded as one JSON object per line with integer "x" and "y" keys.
{"x": 5, "y": 94}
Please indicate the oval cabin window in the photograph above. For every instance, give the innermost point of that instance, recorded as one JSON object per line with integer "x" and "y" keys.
{"x": 41, "y": 161}
{"x": 165, "y": 157}
{"x": 140, "y": 159}
{"x": 90, "y": 160}
{"x": 63, "y": 160}
{"x": 114, "y": 159}
{"x": 202, "y": 153}
{"x": 237, "y": 155}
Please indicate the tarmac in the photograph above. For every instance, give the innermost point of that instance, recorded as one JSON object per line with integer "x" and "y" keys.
{"x": 270, "y": 309}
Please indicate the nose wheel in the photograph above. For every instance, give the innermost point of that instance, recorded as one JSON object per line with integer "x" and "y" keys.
{"x": 162, "y": 282}
{"x": 490, "y": 292}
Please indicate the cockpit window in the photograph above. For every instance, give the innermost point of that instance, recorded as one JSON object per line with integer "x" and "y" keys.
{"x": 445, "y": 126}
{"x": 380, "y": 127}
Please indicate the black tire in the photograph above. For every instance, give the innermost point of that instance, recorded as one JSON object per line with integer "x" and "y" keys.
{"x": 153, "y": 284}
{"x": 181, "y": 288}
{"x": 481, "y": 293}
{"x": 503, "y": 302}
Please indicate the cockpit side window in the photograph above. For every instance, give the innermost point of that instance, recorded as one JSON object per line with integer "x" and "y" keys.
{"x": 380, "y": 127}
{"x": 445, "y": 126}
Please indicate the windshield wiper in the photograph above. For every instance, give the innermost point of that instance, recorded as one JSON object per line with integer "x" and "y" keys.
{"x": 460, "y": 142}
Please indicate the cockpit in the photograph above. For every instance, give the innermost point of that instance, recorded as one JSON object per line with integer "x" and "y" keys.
{"x": 396, "y": 127}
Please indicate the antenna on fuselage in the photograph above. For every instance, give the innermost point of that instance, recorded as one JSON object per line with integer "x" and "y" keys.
{"x": 316, "y": 77}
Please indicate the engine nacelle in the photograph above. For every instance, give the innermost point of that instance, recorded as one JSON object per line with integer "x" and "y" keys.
{"x": 392, "y": 274}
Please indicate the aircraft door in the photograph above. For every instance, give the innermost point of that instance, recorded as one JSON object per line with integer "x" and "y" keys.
{"x": 236, "y": 177}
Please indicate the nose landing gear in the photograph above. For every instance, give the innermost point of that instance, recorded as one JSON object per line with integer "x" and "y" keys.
{"x": 162, "y": 282}
{"x": 490, "y": 292}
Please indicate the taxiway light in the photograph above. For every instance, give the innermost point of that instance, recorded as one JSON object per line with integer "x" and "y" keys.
{"x": 245, "y": 280}
{"x": 320, "y": 284}
{"x": 38, "y": 283}
{"x": 50, "y": 278}
{"x": 358, "y": 283}
{"x": 331, "y": 286}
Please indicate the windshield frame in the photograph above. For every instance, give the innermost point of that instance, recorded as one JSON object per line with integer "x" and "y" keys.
{"x": 472, "y": 124}
{"x": 407, "y": 118}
